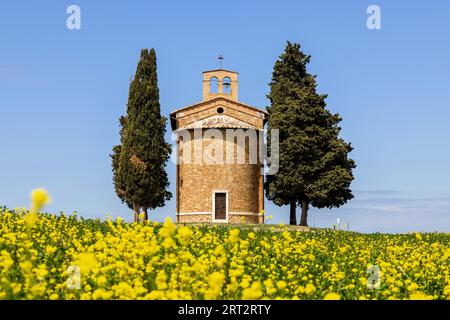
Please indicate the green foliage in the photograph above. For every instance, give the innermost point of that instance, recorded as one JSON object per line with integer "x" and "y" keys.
{"x": 314, "y": 164}
{"x": 140, "y": 179}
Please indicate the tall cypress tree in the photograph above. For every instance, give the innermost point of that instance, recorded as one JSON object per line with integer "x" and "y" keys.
{"x": 118, "y": 181}
{"x": 314, "y": 167}
{"x": 140, "y": 178}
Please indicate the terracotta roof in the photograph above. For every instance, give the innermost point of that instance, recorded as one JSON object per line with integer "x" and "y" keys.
{"x": 220, "y": 70}
{"x": 174, "y": 112}
{"x": 219, "y": 98}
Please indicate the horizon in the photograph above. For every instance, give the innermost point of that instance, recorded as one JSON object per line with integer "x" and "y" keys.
{"x": 63, "y": 92}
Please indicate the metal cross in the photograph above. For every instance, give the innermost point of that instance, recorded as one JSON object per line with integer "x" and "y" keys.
{"x": 220, "y": 60}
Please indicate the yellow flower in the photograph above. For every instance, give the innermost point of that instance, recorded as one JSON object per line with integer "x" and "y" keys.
{"x": 216, "y": 279}
{"x": 245, "y": 283}
{"x": 332, "y": 296}
{"x": 155, "y": 295}
{"x": 270, "y": 288}
{"x": 170, "y": 261}
{"x": 39, "y": 198}
{"x": 281, "y": 285}
{"x": 41, "y": 272}
{"x": 168, "y": 229}
{"x": 30, "y": 218}
{"x": 413, "y": 287}
{"x": 184, "y": 234}
{"x": 310, "y": 288}
{"x": 102, "y": 294}
{"x": 252, "y": 293}
{"x": 161, "y": 280}
{"x": 340, "y": 275}
{"x": 26, "y": 266}
{"x": 101, "y": 281}
{"x": 447, "y": 290}
{"x": 420, "y": 296}
{"x": 86, "y": 262}
{"x": 215, "y": 282}
{"x": 54, "y": 296}
{"x": 234, "y": 235}
{"x": 50, "y": 249}
{"x": 6, "y": 261}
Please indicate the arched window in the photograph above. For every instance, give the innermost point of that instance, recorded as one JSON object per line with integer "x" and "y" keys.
{"x": 213, "y": 85}
{"x": 226, "y": 85}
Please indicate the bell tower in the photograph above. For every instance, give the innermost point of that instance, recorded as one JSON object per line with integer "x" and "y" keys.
{"x": 220, "y": 83}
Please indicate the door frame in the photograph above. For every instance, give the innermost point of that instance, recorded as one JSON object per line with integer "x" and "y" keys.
{"x": 214, "y": 206}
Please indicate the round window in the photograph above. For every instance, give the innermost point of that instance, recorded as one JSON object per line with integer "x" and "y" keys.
{"x": 220, "y": 110}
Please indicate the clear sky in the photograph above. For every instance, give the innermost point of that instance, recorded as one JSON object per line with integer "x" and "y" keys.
{"x": 62, "y": 92}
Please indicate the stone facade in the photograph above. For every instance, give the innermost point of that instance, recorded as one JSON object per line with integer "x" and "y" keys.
{"x": 217, "y": 158}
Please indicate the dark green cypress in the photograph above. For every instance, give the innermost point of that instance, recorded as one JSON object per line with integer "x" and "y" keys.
{"x": 314, "y": 167}
{"x": 118, "y": 181}
{"x": 140, "y": 178}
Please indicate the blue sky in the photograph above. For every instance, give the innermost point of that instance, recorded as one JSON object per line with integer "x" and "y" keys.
{"x": 62, "y": 92}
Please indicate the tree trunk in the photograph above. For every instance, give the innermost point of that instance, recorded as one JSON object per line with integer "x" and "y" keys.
{"x": 136, "y": 213}
{"x": 304, "y": 217}
{"x": 145, "y": 214}
{"x": 293, "y": 213}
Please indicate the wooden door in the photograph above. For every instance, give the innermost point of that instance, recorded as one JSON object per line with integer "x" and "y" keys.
{"x": 220, "y": 205}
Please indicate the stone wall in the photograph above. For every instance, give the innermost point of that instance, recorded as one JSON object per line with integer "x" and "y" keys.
{"x": 243, "y": 219}
{"x": 232, "y": 218}
{"x": 194, "y": 218}
{"x": 197, "y": 182}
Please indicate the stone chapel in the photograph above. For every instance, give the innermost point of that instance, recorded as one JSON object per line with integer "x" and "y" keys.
{"x": 219, "y": 191}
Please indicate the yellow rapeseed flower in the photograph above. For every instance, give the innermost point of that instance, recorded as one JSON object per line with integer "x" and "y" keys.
{"x": 418, "y": 295}
{"x": 170, "y": 261}
{"x": 161, "y": 280}
{"x": 30, "y": 218}
{"x": 86, "y": 262}
{"x": 254, "y": 292}
{"x": 281, "y": 285}
{"x": 447, "y": 291}
{"x": 310, "y": 289}
{"x": 332, "y": 296}
{"x": 234, "y": 235}
{"x": 39, "y": 198}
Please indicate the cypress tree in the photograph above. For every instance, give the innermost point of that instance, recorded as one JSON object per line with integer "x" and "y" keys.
{"x": 118, "y": 181}
{"x": 140, "y": 178}
{"x": 314, "y": 167}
